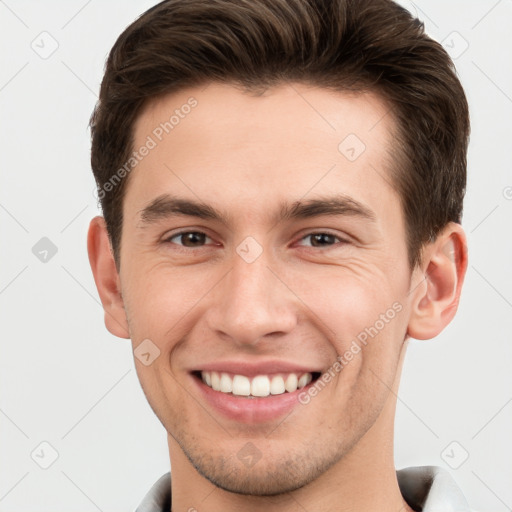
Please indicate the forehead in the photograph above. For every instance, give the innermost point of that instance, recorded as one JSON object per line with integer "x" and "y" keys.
{"x": 291, "y": 140}
{"x": 226, "y": 113}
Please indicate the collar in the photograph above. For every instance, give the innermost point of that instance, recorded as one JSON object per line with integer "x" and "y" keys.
{"x": 431, "y": 489}
{"x": 425, "y": 488}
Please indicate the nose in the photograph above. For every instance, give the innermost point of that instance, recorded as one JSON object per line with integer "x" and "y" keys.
{"x": 252, "y": 303}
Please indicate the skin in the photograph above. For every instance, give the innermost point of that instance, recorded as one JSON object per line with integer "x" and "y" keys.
{"x": 301, "y": 300}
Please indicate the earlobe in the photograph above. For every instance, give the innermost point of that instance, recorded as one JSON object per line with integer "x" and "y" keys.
{"x": 106, "y": 278}
{"x": 436, "y": 297}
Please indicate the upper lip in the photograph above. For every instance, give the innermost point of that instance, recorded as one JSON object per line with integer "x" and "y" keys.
{"x": 252, "y": 369}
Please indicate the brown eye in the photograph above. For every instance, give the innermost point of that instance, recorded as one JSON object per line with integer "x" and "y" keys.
{"x": 189, "y": 239}
{"x": 321, "y": 240}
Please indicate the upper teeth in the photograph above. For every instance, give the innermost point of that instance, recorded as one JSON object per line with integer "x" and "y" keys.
{"x": 261, "y": 385}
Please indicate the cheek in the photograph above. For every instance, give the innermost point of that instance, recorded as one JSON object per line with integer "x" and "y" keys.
{"x": 347, "y": 302}
{"x": 159, "y": 303}
{"x": 159, "y": 298}
{"x": 364, "y": 317}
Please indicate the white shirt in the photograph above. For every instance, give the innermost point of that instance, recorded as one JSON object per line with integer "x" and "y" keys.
{"x": 425, "y": 488}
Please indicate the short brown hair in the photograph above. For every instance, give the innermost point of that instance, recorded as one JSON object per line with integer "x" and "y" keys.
{"x": 345, "y": 45}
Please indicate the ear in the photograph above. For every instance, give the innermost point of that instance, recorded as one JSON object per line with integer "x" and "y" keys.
{"x": 106, "y": 278}
{"x": 440, "y": 277}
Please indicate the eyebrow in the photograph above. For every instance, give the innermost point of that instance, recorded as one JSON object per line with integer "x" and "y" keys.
{"x": 167, "y": 206}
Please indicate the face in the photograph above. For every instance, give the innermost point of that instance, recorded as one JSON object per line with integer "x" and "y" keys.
{"x": 262, "y": 239}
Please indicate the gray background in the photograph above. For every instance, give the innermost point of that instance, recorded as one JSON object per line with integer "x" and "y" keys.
{"x": 67, "y": 383}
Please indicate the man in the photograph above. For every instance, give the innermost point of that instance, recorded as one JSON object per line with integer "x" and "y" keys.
{"x": 282, "y": 186}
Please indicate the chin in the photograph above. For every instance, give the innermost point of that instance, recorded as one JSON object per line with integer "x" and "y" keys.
{"x": 264, "y": 477}
{"x": 248, "y": 482}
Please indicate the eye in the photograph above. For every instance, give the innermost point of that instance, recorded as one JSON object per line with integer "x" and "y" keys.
{"x": 189, "y": 239}
{"x": 322, "y": 240}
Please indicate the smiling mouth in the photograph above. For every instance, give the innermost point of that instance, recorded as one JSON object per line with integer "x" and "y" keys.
{"x": 259, "y": 386}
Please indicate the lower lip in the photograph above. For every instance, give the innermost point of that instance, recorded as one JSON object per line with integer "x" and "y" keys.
{"x": 250, "y": 410}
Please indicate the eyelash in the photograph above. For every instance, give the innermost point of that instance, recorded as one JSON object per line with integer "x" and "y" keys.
{"x": 313, "y": 233}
